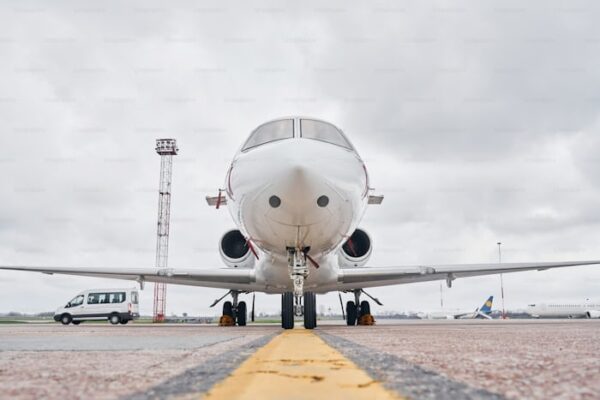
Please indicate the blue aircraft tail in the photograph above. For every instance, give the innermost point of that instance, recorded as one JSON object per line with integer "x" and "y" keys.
{"x": 486, "y": 308}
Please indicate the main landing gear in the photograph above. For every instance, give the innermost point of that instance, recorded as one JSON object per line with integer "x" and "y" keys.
{"x": 359, "y": 312}
{"x": 233, "y": 311}
{"x": 298, "y": 303}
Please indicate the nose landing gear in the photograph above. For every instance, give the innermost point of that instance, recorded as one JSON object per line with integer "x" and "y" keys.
{"x": 298, "y": 303}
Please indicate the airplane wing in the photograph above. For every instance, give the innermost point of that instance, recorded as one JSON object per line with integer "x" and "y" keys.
{"x": 223, "y": 278}
{"x": 365, "y": 277}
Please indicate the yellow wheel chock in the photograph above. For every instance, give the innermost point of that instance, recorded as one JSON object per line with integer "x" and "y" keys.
{"x": 366, "y": 319}
{"x": 226, "y": 320}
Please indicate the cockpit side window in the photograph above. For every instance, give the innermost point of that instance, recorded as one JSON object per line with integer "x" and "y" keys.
{"x": 319, "y": 130}
{"x": 270, "y": 132}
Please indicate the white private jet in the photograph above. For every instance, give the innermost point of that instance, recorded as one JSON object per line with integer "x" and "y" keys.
{"x": 297, "y": 190}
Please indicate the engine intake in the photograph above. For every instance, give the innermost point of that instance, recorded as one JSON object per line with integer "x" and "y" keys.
{"x": 356, "y": 251}
{"x": 235, "y": 251}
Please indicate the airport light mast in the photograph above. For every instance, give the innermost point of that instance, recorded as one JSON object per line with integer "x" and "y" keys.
{"x": 501, "y": 279}
{"x": 166, "y": 148}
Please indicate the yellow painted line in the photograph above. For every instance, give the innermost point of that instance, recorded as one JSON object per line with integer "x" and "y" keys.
{"x": 297, "y": 364}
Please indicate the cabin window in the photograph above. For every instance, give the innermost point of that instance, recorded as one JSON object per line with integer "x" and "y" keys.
{"x": 270, "y": 132}
{"x": 323, "y": 131}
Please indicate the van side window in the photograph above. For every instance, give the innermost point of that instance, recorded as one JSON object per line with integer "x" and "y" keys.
{"x": 134, "y": 297}
{"x": 93, "y": 298}
{"x": 117, "y": 297}
{"x": 106, "y": 298}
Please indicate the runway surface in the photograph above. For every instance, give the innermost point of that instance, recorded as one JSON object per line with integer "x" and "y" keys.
{"x": 411, "y": 359}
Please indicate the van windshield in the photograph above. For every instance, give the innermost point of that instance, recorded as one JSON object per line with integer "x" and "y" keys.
{"x": 77, "y": 301}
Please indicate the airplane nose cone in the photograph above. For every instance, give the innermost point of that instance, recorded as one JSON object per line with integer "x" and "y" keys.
{"x": 300, "y": 192}
{"x": 300, "y": 197}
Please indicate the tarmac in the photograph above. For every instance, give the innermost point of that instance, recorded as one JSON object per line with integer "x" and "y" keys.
{"x": 461, "y": 359}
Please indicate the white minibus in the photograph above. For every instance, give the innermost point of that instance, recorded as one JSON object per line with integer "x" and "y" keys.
{"x": 118, "y": 306}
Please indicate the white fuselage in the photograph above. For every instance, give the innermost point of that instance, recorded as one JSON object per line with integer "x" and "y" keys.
{"x": 564, "y": 310}
{"x": 298, "y": 171}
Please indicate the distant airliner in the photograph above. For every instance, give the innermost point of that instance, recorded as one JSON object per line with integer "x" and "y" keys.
{"x": 482, "y": 312}
{"x": 297, "y": 190}
{"x": 564, "y": 310}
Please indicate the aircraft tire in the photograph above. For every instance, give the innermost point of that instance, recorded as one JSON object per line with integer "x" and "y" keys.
{"x": 228, "y": 309}
{"x": 241, "y": 313}
{"x": 287, "y": 310}
{"x": 365, "y": 308}
{"x": 310, "y": 310}
{"x": 350, "y": 313}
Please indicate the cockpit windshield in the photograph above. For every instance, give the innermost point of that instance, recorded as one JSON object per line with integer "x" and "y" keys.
{"x": 270, "y": 132}
{"x": 326, "y": 132}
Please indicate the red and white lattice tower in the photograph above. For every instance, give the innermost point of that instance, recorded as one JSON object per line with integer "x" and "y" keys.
{"x": 166, "y": 148}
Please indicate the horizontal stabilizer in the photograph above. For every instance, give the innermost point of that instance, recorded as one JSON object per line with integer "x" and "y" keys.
{"x": 375, "y": 199}
{"x": 214, "y": 200}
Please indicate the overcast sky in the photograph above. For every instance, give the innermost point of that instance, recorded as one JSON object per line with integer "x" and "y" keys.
{"x": 479, "y": 122}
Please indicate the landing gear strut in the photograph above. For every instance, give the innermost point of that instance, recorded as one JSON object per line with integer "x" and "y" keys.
{"x": 298, "y": 269}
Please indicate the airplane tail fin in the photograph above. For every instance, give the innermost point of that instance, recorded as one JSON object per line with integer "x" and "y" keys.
{"x": 486, "y": 308}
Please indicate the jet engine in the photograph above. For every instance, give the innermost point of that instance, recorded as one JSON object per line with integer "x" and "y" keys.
{"x": 356, "y": 251}
{"x": 592, "y": 314}
{"x": 235, "y": 250}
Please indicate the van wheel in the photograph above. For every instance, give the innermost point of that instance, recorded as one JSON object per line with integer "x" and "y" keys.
{"x": 114, "y": 319}
{"x": 65, "y": 319}
{"x": 124, "y": 322}
{"x": 76, "y": 322}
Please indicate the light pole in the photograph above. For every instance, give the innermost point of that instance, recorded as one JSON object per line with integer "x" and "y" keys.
{"x": 501, "y": 279}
